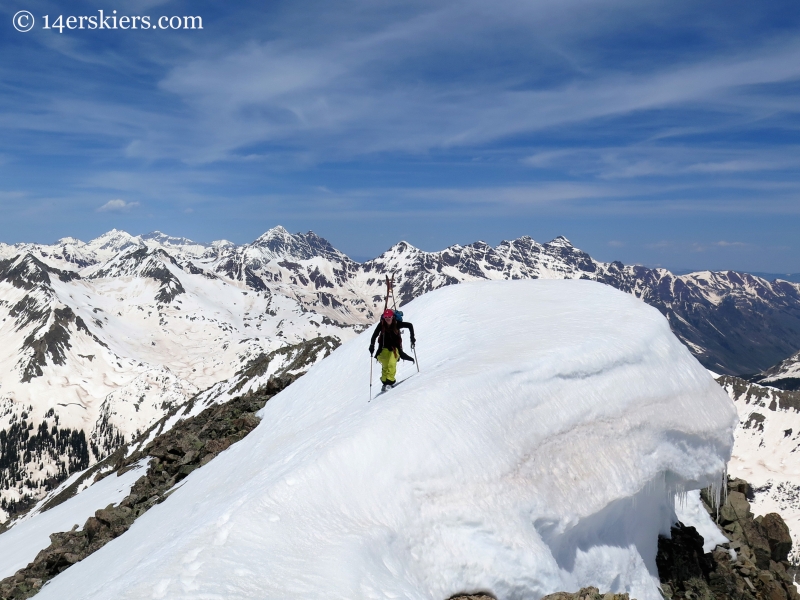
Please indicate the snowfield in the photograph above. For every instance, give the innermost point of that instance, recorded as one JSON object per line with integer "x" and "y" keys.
{"x": 539, "y": 449}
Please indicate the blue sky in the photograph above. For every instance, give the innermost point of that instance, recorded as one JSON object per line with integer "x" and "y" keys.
{"x": 661, "y": 133}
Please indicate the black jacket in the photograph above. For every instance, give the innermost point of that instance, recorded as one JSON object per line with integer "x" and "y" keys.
{"x": 388, "y": 336}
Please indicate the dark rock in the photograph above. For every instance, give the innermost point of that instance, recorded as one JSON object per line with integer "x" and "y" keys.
{"x": 186, "y": 469}
{"x": 189, "y": 457}
{"x": 92, "y": 527}
{"x": 758, "y": 542}
{"x": 681, "y": 558}
{"x": 774, "y": 591}
{"x": 216, "y": 446}
{"x": 741, "y": 486}
{"x": 778, "y": 537}
{"x": 247, "y": 422}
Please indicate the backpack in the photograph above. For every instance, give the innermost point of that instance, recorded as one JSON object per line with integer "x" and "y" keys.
{"x": 398, "y": 316}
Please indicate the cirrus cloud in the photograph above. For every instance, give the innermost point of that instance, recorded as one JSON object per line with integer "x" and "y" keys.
{"x": 117, "y": 205}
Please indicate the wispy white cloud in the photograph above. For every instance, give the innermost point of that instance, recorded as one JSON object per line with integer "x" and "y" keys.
{"x": 508, "y": 110}
{"x": 698, "y": 246}
{"x": 270, "y": 93}
{"x": 117, "y": 205}
{"x": 644, "y": 160}
{"x": 339, "y": 96}
{"x": 724, "y": 244}
{"x": 564, "y": 199}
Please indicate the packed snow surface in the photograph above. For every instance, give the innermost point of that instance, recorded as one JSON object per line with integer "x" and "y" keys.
{"x": 539, "y": 449}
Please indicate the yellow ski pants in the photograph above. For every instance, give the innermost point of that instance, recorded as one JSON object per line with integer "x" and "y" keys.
{"x": 388, "y": 360}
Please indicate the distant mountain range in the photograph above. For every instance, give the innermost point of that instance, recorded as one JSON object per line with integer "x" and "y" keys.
{"x": 793, "y": 277}
{"x": 100, "y": 339}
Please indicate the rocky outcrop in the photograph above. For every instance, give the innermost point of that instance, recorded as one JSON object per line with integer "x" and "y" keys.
{"x": 778, "y": 536}
{"x": 173, "y": 455}
{"x": 587, "y": 593}
{"x": 752, "y": 565}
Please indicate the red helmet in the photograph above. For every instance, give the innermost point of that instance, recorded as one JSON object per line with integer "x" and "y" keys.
{"x": 388, "y": 314}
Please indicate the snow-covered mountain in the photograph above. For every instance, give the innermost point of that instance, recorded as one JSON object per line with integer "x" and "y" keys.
{"x": 71, "y": 253}
{"x": 102, "y": 338}
{"x": 529, "y": 456}
{"x": 734, "y": 323}
{"x": 92, "y": 355}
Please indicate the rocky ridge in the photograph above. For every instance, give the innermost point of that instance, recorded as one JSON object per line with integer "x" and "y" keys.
{"x": 172, "y": 456}
{"x": 587, "y": 593}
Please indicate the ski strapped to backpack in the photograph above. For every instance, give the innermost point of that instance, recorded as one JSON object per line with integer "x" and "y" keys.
{"x": 390, "y": 292}
{"x": 398, "y": 316}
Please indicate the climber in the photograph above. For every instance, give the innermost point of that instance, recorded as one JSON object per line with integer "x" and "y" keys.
{"x": 390, "y": 346}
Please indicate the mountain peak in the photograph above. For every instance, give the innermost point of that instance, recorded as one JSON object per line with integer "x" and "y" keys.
{"x": 277, "y": 232}
{"x": 168, "y": 240}
{"x": 405, "y": 246}
{"x": 560, "y": 241}
{"x": 400, "y": 248}
{"x": 279, "y": 243}
{"x": 25, "y": 271}
{"x": 115, "y": 240}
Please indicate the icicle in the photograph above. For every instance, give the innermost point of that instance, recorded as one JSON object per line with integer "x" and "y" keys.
{"x": 719, "y": 491}
{"x": 725, "y": 482}
{"x": 681, "y": 496}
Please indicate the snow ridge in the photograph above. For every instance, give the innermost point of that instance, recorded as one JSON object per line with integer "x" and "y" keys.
{"x": 529, "y": 456}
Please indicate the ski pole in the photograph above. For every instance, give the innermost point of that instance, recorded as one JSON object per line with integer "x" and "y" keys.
{"x": 416, "y": 360}
{"x": 370, "y": 377}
